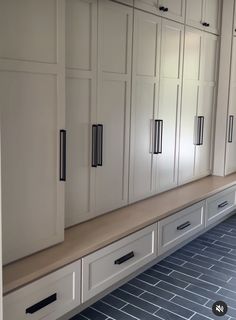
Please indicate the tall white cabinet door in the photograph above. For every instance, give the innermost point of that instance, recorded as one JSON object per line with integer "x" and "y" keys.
{"x": 206, "y": 107}
{"x": 190, "y": 98}
{"x": 230, "y": 164}
{"x": 194, "y": 13}
{"x": 145, "y": 84}
{"x": 81, "y": 81}
{"x": 32, "y": 115}
{"x": 169, "y": 103}
{"x": 212, "y": 15}
{"x": 173, "y": 9}
{"x": 113, "y": 110}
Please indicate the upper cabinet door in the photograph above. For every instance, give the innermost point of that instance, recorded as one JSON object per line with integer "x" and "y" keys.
{"x": 81, "y": 83}
{"x": 194, "y": 13}
{"x": 173, "y": 9}
{"x": 234, "y": 26}
{"x": 204, "y": 14}
{"x": 113, "y": 104}
{"x": 212, "y": 15}
{"x": 145, "y": 84}
{"x": 169, "y": 103}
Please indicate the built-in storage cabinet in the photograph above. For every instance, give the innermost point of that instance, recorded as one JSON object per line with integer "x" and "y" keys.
{"x": 204, "y": 14}
{"x": 171, "y": 9}
{"x": 198, "y": 100}
{"x": 156, "y": 92}
{"x": 98, "y": 107}
{"x": 32, "y": 115}
{"x": 234, "y": 24}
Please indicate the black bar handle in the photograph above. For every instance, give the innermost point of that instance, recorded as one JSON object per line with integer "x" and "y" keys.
{"x": 162, "y": 8}
{"x": 41, "y": 304}
{"x": 99, "y": 145}
{"x": 123, "y": 259}
{"x": 94, "y": 146}
{"x": 200, "y": 130}
{"x": 166, "y": 9}
{"x": 158, "y": 134}
{"x": 62, "y": 169}
{"x": 184, "y": 225}
{"x": 231, "y": 129}
{"x": 223, "y": 204}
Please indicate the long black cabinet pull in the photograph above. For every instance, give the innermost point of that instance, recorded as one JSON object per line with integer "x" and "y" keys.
{"x": 158, "y": 135}
{"x": 62, "y": 168}
{"x": 231, "y": 129}
{"x": 223, "y": 204}
{"x": 99, "y": 144}
{"x": 94, "y": 146}
{"x": 184, "y": 225}
{"x": 200, "y": 130}
{"x": 128, "y": 256}
{"x": 41, "y": 304}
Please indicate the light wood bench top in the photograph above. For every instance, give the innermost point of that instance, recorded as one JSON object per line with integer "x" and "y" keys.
{"x": 92, "y": 235}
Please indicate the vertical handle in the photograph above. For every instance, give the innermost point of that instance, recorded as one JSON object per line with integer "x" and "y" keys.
{"x": 99, "y": 145}
{"x": 158, "y": 133}
{"x": 62, "y": 168}
{"x": 200, "y": 131}
{"x": 231, "y": 129}
{"x": 94, "y": 146}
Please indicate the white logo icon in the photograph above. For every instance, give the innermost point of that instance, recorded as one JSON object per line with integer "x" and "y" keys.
{"x": 220, "y": 308}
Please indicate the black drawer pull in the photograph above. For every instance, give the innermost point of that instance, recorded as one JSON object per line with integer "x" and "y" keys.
{"x": 162, "y": 8}
{"x": 62, "y": 155}
{"x": 166, "y": 9}
{"x": 99, "y": 144}
{"x": 231, "y": 129}
{"x": 94, "y": 146}
{"x": 124, "y": 258}
{"x": 223, "y": 204}
{"x": 184, "y": 225}
{"x": 41, "y": 304}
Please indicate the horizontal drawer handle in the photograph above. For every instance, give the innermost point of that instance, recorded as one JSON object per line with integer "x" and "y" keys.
{"x": 41, "y": 304}
{"x": 223, "y": 204}
{"x": 184, "y": 225}
{"x": 124, "y": 258}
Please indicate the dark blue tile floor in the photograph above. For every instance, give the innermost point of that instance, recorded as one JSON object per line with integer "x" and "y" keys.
{"x": 183, "y": 286}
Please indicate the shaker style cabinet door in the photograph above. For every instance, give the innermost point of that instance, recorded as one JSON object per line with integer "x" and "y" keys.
{"x": 146, "y": 58}
{"x": 169, "y": 104}
{"x": 173, "y": 9}
{"x": 113, "y": 105}
{"x": 206, "y": 106}
{"x": 190, "y": 97}
{"x": 230, "y": 164}
{"x": 81, "y": 82}
{"x": 204, "y": 14}
{"x": 32, "y": 117}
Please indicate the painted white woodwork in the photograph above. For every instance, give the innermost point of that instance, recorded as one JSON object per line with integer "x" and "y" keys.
{"x": 198, "y": 100}
{"x": 1, "y": 282}
{"x": 81, "y": 82}
{"x": 234, "y": 23}
{"x": 204, "y": 11}
{"x": 220, "y": 205}
{"x": 145, "y": 84}
{"x": 65, "y": 283}
{"x": 176, "y": 8}
{"x": 113, "y": 103}
{"x": 180, "y": 226}
{"x": 107, "y": 266}
{"x": 168, "y": 106}
{"x": 32, "y": 115}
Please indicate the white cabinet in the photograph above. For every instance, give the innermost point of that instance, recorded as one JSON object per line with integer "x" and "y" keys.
{"x": 32, "y": 115}
{"x": 47, "y": 298}
{"x": 171, "y": 9}
{"x": 234, "y": 23}
{"x": 98, "y": 107}
{"x": 204, "y": 14}
{"x": 155, "y": 104}
{"x": 198, "y": 100}
{"x": 230, "y": 163}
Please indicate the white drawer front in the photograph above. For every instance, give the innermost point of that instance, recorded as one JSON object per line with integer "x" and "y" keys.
{"x": 105, "y": 267}
{"x": 220, "y": 205}
{"x": 180, "y": 226}
{"x": 61, "y": 289}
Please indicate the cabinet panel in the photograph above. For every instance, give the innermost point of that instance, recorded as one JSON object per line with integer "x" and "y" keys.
{"x": 81, "y": 83}
{"x": 212, "y": 15}
{"x": 145, "y": 88}
{"x": 194, "y": 13}
{"x": 113, "y": 104}
{"x": 22, "y": 33}
{"x": 30, "y": 139}
{"x": 176, "y": 9}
